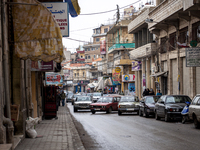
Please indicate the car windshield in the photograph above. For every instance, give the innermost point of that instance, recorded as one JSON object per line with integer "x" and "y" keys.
{"x": 89, "y": 94}
{"x": 150, "y": 100}
{"x": 105, "y": 100}
{"x": 127, "y": 99}
{"x": 70, "y": 95}
{"x": 178, "y": 99}
{"x": 83, "y": 98}
{"x": 97, "y": 94}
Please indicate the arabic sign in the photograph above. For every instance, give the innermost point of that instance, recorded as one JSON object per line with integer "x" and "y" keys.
{"x": 136, "y": 65}
{"x": 42, "y": 66}
{"x": 103, "y": 45}
{"x": 53, "y": 78}
{"x": 60, "y": 12}
{"x": 128, "y": 78}
{"x": 192, "y": 57}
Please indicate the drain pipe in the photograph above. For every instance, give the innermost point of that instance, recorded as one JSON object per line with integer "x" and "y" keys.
{"x": 10, "y": 132}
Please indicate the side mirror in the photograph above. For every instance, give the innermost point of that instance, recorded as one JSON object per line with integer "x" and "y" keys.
{"x": 162, "y": 102}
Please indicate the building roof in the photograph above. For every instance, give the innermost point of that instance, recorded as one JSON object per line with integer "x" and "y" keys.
{"x": 98, "y": 59}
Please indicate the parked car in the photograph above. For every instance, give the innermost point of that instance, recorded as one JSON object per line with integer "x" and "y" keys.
{"x": 96, "y": 96}
{"x": 82, "y": 102}
{"x": 128, "y": 104}
{"x": 147, "y": 105}
{"x": 194, "y": 111}
{"x": 170, "y": 106}
{"x": 69, "y": 97}
{"x": 74, "y": 98}
{"x": 89, "y": 94}
{"x": 106, "y": 103}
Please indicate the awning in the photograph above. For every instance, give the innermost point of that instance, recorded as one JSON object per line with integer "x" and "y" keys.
{"x": 37, "y": 35}
{"x": 159, "y": 74}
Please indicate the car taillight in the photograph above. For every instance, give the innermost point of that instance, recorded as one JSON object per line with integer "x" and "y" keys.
{"x": 119, "y": 106}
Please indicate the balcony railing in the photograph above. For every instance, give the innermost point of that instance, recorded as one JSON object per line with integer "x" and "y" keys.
{"x": 121, "y": 45}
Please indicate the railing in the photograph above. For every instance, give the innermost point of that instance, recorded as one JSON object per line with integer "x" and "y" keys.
{"x": 121, "y": 45}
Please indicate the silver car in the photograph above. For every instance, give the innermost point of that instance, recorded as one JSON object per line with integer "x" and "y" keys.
{"x": 96, "y": 96}
{"x": 194, "y": 111}
{"x": 128, "y": 104}
{"x": 82, "y": 102}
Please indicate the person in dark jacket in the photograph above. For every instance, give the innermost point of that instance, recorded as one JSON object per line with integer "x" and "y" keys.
{"x": 151, "y": 92}
{"x": 63, "y": 96}
{"x": 144, "y": 93}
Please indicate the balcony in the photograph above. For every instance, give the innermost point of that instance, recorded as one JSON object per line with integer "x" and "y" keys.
{"x": 143, "y": 51}
{"x": 165, "y": 10}
{"x": 123, "y": 62}
{"x": 139, "y": 22}
{"x": 121, "y": 46}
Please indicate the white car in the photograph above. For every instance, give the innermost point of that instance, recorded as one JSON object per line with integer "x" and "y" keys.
{"x": 96, "y": 96}
{"x": 194, "y": 111}
{"x": 82, "y": 102}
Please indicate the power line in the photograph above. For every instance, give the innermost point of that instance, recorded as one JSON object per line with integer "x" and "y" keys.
{"x": 110, "y": 10}
{"x": 83, "y": 29}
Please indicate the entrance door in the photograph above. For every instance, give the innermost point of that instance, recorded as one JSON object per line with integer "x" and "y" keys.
{"x": 164, "y": 87}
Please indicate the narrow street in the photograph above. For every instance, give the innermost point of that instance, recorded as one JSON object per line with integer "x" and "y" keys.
{"x": 130, "y": 131}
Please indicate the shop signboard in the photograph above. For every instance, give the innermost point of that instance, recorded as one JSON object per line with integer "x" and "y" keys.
{"x": 117, "y": 69}
{"x": 128, "y": 78}
{"x": 53, "y": 78}
{"x": 192, "y": 57}
{"x": 60, "y": 12}
{"x": 103, "y": 46}
{"x": 136, "y": 65}
{"x": 42, "y": 66}
{"x": 116, "y": 77}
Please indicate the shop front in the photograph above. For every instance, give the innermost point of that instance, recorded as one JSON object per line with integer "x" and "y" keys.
{"x": 129, "y": 84}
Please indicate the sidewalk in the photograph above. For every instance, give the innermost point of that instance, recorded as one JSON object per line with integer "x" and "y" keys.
{"x": 59, "y": 134}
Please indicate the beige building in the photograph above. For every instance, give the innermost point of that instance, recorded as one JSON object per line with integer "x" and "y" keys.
{"x": 175, "y": 24}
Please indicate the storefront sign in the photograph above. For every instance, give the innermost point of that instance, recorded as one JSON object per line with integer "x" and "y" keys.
{"x": 136, "y": 65}
{"x": 53, "y": 78}
{"x": 192, "y": 57}
{"x": 103, "y": 46}
{"x": 128, "y": 78}
{"x": 42, "y": 66}
{"x": 117, "y": 69}
{"x": 60, "y": 12}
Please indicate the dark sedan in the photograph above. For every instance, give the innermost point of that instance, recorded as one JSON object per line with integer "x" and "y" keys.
{"x": 170, "y": 106}
{"x": 147, "y": 105}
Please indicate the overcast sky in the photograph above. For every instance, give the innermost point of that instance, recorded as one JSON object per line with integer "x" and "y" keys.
{"x": 81, "y": 27}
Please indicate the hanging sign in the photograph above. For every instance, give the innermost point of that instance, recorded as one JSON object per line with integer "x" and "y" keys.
{"x": 53, "y": 78}
{"x": 128, "y": 78}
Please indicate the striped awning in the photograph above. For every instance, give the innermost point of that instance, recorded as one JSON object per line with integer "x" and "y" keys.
{"x": 37, "y": 35}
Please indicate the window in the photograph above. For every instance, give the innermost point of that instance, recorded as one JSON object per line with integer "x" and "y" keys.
{"x": 105, "y": 30}
{"x": 81, "y": 56}
{"x": 94, "y": 56}
{"x": 163, "y": 45}
{"x": 86, "y": 49}
{"x": 85, "y": 57}
{"x": 172, "y": 41}
{"x": 96, "y": 48}
{"x": 97, "y": 39}
{"x": 183, "y": 35}
{"x": 89, "y": 57}
{"x": 196, "y": 31}
{"x": 83, "y": 74}
{"x": 98, "y": 31}
{"x": 75, "y": 74}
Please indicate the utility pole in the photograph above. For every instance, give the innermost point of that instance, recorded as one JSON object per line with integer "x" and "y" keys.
{"x": 118, "y": 14}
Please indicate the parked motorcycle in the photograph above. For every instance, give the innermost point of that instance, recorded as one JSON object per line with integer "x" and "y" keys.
{"x": 185, "y": 113}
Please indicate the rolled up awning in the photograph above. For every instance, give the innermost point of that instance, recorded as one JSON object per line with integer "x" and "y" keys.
{"x": 159, "y": 74}
{"x": 37, "y": 35}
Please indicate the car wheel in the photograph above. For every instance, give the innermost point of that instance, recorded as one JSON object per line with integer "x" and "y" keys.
{"x": 166, "y": 117}
{"x": 119, "y": 112}
{"x": 140, "y": 113}
{"x": 196, "y": 123}
{"x": 146, "y": 114}
{"x": 156, "y": 116}
{"x": 93, "y": 112}
{"x": 183, "y": 119}
{"x": 75, "y": 109}
{"x": 109, "y": 110}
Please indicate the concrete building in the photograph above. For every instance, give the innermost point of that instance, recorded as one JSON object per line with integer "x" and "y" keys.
{"x": 119, "y": 45}
{"x": 144, "y": 52}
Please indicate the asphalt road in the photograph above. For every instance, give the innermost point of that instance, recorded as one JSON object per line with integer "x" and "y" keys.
{"x": 132, "y": 132}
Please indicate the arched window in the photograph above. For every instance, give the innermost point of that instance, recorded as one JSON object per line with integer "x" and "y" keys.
{"x": 89, "y": 57}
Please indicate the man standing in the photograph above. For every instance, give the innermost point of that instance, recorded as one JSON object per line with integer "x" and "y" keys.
{"x": 63, "y": 96}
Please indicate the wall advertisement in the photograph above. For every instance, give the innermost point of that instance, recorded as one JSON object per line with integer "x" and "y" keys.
{"x": 128, "y": 78}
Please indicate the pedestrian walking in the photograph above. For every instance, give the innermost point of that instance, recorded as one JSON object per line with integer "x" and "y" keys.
{"x": 144, "y": 92}
{"x": 63, "y": 96}
{"x": 58, "y": 98}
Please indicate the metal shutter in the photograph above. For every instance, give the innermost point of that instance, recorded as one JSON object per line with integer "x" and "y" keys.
{"x": 197, "y": 80}
{"x": 186, "y": 78}
{"x": 174, "y": 76}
